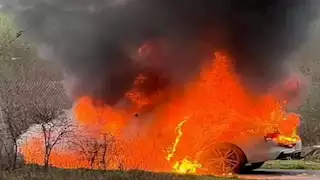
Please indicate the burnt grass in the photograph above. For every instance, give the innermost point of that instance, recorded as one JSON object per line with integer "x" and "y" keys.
{"x": 38, "y": 173}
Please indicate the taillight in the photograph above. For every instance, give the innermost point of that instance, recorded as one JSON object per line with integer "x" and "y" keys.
{"x": 281, "y": 140}
{"x": 272, "y": 136}
{"x": 288, "y": 145}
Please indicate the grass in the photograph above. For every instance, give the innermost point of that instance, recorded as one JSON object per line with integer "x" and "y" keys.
{"x": 292, "y": 164}
{"x": 36, "y": 173}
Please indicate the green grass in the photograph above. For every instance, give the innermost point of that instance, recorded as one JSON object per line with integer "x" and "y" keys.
{"x": 292, "y": 164}
{"x": 36, "y": 173}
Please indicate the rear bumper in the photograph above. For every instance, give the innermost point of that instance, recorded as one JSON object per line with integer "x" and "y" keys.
{"x": 291, "y": 153}
{"x": 269, "y": 150}
{"x": 284, "y": 156}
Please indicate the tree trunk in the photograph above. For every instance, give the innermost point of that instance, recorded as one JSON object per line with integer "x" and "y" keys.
{"x": 92, "y": 161}
{"x": 104, "y": 154}
{"x": 15, "y": 154}
{"x": 46, "y": 163}
{"x": 46, "y": 158}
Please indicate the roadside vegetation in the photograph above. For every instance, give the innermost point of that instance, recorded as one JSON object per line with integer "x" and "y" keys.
{"x": 292, "y": 164}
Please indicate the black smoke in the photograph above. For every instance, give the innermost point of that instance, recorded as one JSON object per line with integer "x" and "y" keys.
{"x": 97, "y": 41}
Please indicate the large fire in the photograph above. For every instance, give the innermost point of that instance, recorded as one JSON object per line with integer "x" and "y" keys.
{"x": 214, "y": 108}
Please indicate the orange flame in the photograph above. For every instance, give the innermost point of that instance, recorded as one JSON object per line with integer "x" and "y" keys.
{"x": 218, "y": 107}
{"x": 176, "y": 142}
{"x": 186, "y": 166}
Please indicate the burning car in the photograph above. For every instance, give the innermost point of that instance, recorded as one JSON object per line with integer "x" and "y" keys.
{"x": 242, "y": 157}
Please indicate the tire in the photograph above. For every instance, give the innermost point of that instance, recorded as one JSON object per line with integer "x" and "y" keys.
{"x": 223, "y": 159}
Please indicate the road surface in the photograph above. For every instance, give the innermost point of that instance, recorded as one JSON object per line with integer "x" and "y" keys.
{"x": 281, "y": 174}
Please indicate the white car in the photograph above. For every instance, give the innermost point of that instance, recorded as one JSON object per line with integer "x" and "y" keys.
{"x": 250, "y": 155}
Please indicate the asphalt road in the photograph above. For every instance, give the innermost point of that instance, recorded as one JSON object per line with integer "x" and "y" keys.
{"x": 281, "y": 174}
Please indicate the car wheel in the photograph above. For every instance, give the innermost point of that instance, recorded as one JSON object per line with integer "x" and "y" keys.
{"x": 223, "y": 159}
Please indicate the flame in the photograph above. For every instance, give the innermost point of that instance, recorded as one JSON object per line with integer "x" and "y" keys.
{"x": 288, "y": 140}
{"x": 287, "y": 129}
{"x": 186, "y": 166}
{"x": 33, "y": 152}
{"x": 135, "y": 95}
{"x": 98, "y": 116}
{"x": 176, "y": 142}
{"x": 218, "y": 109}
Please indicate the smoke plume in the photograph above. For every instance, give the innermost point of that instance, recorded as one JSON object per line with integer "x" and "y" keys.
{"x": 101, "y": 44}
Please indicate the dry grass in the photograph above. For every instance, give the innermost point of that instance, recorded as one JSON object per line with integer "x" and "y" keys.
{"x": 37, "y": 173}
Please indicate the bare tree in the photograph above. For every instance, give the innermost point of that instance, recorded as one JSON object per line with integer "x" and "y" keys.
{"x": 54, "y": 128}
{"x": 15, "y": 122}
{"x": 97, "y": 151}
{"x": 106, "y": 143}
{"x": 13, "y": 116}
{"x": 24, "y": 80}
{"x": 14, "y": 119}
{"x": 88, "y": 149}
